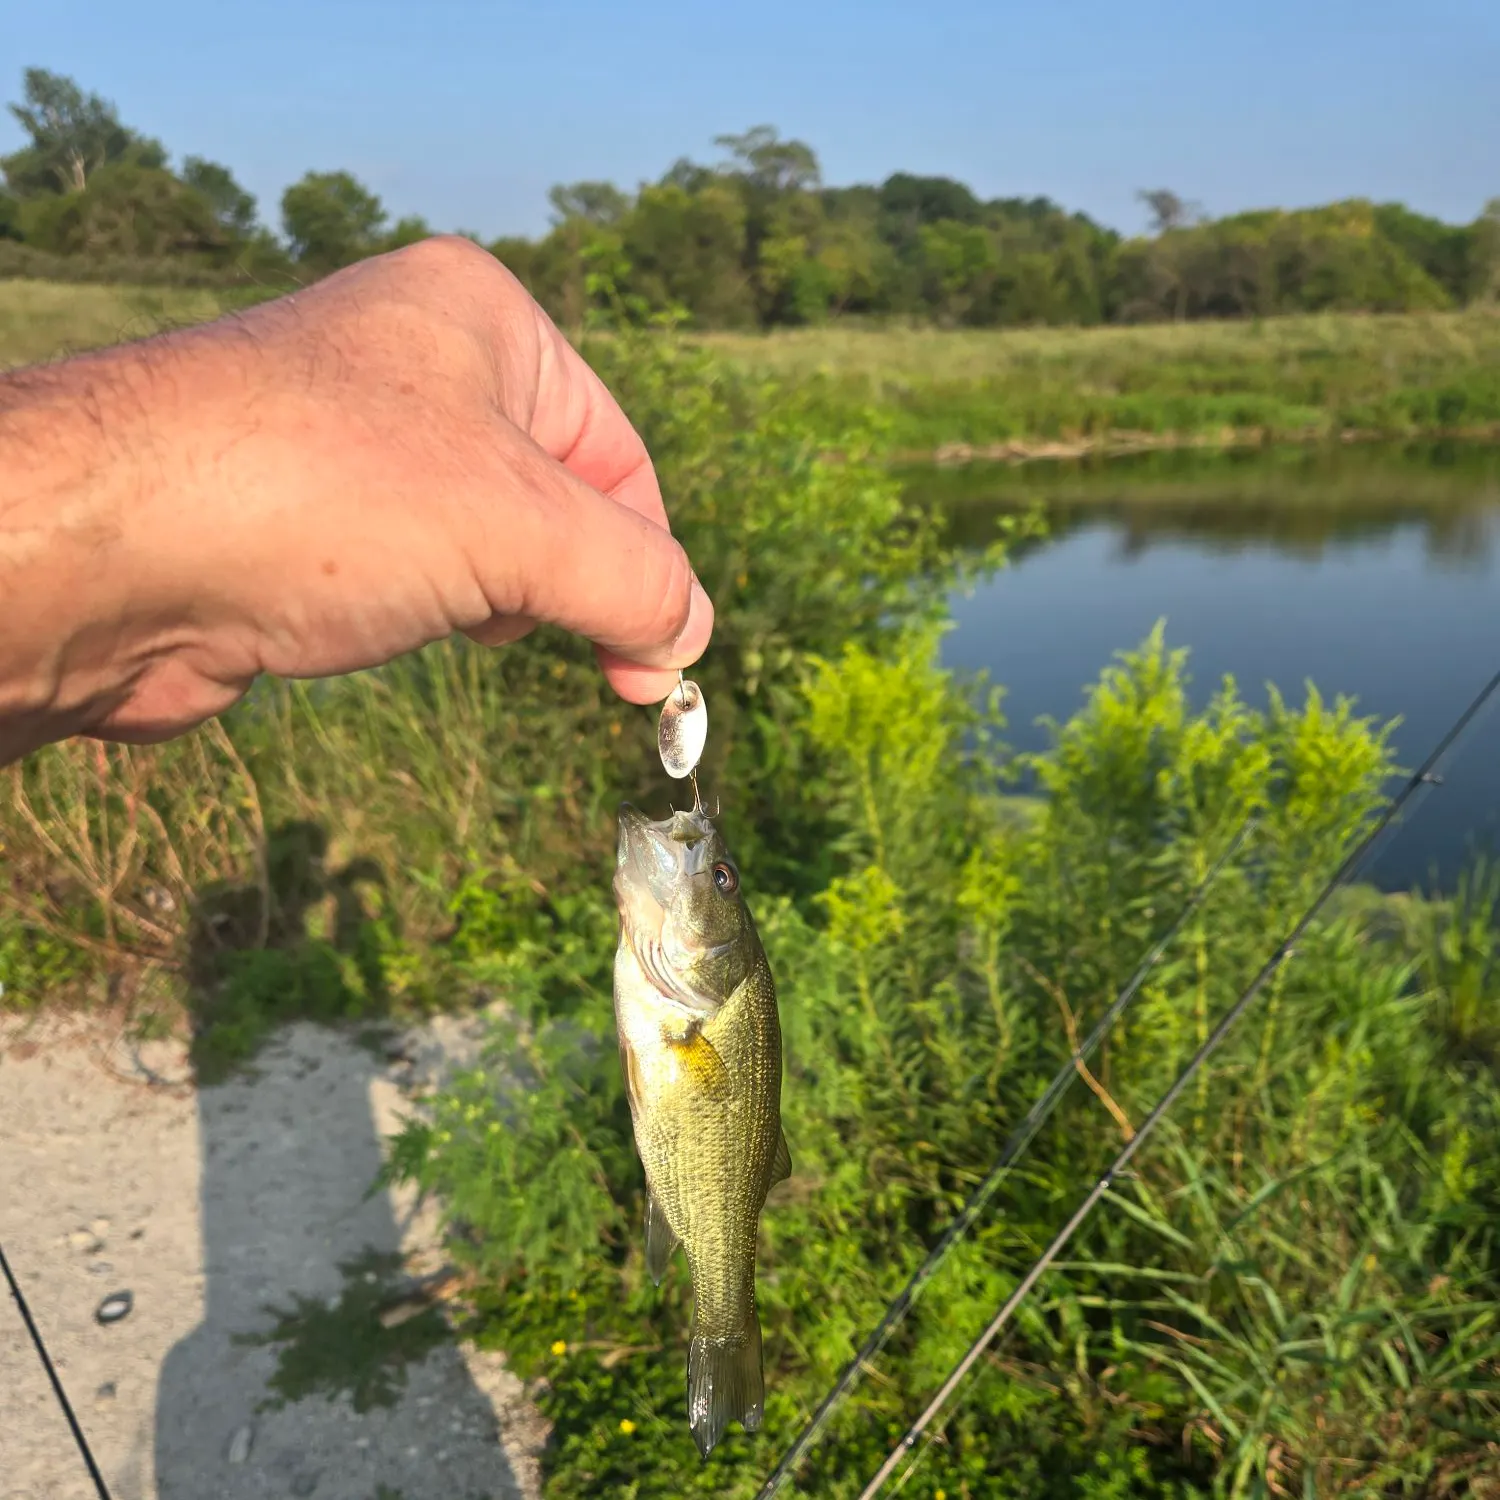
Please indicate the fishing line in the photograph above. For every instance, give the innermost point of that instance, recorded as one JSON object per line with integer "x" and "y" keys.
{"x": 62, "y": 1395}
{"x": 1019, "y": 1140}
{"x": 1422, "y": 777}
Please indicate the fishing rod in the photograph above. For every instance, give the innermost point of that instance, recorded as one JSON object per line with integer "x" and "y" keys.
{"x": 1019, "y": 1140}
{"x": 1422, "y": 777}
{"x": 52, "y": 1375}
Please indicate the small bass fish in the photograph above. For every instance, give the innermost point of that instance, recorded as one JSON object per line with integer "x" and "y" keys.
{"x": 700, "y": 1042}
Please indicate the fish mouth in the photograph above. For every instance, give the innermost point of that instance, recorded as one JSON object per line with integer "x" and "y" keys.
{"x": 653, "y": 860}
{"x": 657, "y": 856}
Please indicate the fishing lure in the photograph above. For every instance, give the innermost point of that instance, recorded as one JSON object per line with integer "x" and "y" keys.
{"x": 681, "y": 734}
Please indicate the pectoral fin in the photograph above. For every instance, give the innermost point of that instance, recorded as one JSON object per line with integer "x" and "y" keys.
{"x": 660, "y": 1241}
{"x": 781, "y": 1160}
{"x": 632, "y": 1071}
{"x": 702, "y": 1063}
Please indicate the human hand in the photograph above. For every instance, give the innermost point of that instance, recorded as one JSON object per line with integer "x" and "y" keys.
{"x": 313, "y": 487}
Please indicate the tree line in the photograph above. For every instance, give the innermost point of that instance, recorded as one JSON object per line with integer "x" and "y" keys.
{"x": 756, "y": 239}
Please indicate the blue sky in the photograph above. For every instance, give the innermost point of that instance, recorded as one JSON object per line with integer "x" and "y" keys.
{"x": 467, "y": 112}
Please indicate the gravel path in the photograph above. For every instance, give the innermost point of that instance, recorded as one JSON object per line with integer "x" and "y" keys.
{"x": 210, "y": 1207}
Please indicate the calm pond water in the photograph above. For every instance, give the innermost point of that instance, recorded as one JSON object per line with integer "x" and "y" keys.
{"x": 1373, "y": 572}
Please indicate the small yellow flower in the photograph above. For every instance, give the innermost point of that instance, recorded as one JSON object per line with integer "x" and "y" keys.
{"x": 626, "y": 1426}
{"x": 940, "y": 1495}
{"x": 560, "y": 1348}
{"x": 614, "y": 728}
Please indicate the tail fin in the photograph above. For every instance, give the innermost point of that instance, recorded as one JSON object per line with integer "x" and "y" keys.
{"x": 725, "y": 1381}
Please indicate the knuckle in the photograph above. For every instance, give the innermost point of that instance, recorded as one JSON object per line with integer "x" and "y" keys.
{"x": 447, "y": 253}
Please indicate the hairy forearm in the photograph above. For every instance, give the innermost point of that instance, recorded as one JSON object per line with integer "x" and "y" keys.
{"x": 80, "y": 445}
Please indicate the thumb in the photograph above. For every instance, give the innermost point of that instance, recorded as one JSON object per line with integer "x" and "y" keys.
{"x": 571, "y": 556}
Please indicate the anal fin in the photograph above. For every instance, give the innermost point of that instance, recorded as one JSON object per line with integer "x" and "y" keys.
{"x": 660, "y": 1241}
{"x": 781, "y": 1160}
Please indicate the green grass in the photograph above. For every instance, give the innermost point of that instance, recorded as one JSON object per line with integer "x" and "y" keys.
{"x": 1280, "y": 379}
{"x": 1045, "y": 391}
{"x": 47, "y": 320}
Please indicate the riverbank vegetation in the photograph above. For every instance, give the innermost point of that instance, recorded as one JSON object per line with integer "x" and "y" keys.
{"x": 1005, "y": 393}
{"x": 1058, "y": 392}
{"x": 1295, "y": 1292}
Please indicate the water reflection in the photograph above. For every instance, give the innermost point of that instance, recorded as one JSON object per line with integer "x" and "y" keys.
{"x": 1302, "y": 501}
{"x": 1372, "y": 572}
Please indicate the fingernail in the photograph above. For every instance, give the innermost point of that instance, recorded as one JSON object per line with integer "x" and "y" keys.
{"x": 692, "y": 639}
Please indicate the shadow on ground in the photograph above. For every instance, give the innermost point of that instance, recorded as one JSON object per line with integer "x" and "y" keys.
{"x": 291, "y": 1385}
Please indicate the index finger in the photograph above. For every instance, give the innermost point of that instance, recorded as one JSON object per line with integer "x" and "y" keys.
{"x": 581, "y": 425}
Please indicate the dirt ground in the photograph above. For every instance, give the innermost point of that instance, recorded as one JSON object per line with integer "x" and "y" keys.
{"x": 218, "y": 1210}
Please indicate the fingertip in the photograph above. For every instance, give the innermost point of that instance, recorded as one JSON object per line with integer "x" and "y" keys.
{"x": 633, "y": 682}
{"x": 643, "y": 682}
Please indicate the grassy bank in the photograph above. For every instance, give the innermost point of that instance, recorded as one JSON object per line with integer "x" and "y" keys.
{"x": 1007, "y": 394}
{"x": 1056, "y": 392}
{"x": 1295, "y": 1292}
{"x": 45, "y": 320}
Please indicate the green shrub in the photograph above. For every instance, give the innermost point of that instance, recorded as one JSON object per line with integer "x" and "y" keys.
{"x": 1292, "y": 1290}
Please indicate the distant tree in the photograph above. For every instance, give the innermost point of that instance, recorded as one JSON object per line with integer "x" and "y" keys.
{"x": 10, "y": 217}
{"x": 1484, "y": 259}
{"x": 927, "y": 200}
{"x": 557, "y": 270}
{"x": 860, "y": 202}
{"x": 854, "y": 261}
{"x": 73, "y": 134}
{"x": 331, "y": 219}
{"x": 593, "y": 202}
{"x": 1167, "y": 210}
{"x": 126, "y": 210}
{"x": 688, "y": 249}
{"x": 1442, "y": 250}
{"x": 408, "y": 230}
{"x": 959, "y": 266}
{"x": 771, "y": 164}
{"x": 233, "y": 207}
{"x": 908, "y": 204}
{"x": 688, "y": 175}
{"x": 519, "y": 256}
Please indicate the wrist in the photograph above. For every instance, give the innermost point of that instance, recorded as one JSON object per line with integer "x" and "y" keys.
{"x": 77, "y": 457}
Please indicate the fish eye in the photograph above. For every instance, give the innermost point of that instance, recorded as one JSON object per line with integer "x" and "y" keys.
{"x": 727, "y": 878}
